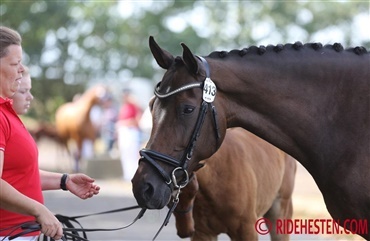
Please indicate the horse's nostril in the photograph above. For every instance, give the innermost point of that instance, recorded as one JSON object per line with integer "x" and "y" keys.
{"x": 148, "y": 191}
{"x": 151, "y": 194}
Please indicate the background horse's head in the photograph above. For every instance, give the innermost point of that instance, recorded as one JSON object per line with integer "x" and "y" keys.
{"x": 186, "y": 128}
{"x": 95, "y": 95}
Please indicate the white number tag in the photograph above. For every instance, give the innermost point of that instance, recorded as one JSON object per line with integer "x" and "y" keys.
{"x": 209, "y": 90}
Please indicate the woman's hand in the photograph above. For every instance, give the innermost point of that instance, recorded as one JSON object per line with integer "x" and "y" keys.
{"x": 82, "y": 185}
{"x": 50, "y": 225}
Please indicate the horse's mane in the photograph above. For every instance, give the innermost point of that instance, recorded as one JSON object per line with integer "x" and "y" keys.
{"x": 359, "y": 50}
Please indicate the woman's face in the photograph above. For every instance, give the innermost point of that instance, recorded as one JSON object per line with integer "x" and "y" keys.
{"x": 23, "y": 97}
{"x": 11, "y": 69}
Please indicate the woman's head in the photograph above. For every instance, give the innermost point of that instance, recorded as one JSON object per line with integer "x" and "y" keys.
{"x": 23, "y": 97}
{"x": 11, "y": 67}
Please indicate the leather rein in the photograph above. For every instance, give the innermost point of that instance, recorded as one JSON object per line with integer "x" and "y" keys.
{"x": 180, "y": 166}
{"x": 70, "y": 232}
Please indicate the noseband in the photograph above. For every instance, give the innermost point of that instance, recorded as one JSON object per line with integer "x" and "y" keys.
{"x": 180, "y": 166}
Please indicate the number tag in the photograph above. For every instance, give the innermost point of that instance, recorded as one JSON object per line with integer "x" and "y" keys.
{"x": 209, "y": 90}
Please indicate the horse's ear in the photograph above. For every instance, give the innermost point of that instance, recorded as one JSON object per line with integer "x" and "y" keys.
{"x": 163, "y": 57}
{"x": 189, "y": 59}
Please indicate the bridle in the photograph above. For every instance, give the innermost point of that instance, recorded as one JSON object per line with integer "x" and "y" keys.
{"x": 180, "y": 166}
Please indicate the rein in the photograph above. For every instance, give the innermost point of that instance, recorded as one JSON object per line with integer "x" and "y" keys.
{"x": 180, "y": 166}
{"x": 69, "y": 231}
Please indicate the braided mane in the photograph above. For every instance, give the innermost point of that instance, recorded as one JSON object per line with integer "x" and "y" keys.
{"x": 359, "y": 50}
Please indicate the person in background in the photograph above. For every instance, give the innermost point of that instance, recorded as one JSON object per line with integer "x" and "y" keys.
{"x": 109, "y": 119}
{"x": 146, "y": 124}
{"x": 129, "y": 136}
{"x": 21, "y": 181}
{"x": 22, "y": 97}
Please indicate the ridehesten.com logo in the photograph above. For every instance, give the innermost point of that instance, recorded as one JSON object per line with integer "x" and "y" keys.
{"x": 311, "y": 226}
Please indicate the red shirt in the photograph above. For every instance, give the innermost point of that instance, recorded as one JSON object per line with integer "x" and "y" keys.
{"x": 21, "y": 168}
{"x": 128, "y": 111}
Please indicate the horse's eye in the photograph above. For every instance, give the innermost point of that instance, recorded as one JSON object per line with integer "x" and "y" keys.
{"x": 188, "y": 109}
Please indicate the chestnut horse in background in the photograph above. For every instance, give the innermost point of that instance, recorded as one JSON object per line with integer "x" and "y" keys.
{"x": 309, "y": 100}
{"x": 247, "y": 178}
{"x": 73, "y": 121}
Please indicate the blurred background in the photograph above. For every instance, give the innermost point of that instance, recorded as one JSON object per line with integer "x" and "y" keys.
{"x": 71, "y": 45}
{"x": 74, "y": 46}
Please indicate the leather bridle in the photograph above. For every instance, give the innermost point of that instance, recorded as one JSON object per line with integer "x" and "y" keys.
{"x": 180, "y": 166}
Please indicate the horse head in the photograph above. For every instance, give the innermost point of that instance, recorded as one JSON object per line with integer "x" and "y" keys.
{"x": 98, "y": 93}
{"x": 186, "y": 127}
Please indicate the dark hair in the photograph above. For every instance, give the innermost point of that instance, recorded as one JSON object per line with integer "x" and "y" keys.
{"x": 8, "y": 37}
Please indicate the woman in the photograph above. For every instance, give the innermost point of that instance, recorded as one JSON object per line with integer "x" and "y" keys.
{"x": 129, "y": 134}
{"x": 21, "y": 182}
{"x": 23, "y": 96}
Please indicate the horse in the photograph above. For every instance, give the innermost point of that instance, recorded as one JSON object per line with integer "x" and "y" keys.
{"x": 309, "y": 100}
{"x": 48, "y": 131}
{"x": 260, "y": 182}
{"x": 72, "y": 120}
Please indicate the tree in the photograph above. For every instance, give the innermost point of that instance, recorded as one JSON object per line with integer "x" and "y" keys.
{"x": 72, "y": 44}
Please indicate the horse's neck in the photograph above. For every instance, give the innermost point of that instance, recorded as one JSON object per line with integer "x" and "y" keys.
{"x": 294, "y": 102}
{"x": 85, "y": 103}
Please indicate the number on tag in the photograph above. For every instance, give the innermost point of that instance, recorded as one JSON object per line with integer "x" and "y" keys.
{"x": 209, "y": 90}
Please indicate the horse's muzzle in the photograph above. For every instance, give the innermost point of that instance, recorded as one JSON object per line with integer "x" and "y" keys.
{"x": 152, "y": 193}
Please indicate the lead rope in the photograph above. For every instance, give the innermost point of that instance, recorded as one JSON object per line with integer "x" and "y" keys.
{"x": 168, "y": 216}
{"x": 70, "y": 231}
{"x": 176, "y": 199}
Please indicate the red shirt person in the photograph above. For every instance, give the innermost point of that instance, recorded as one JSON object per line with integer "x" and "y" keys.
{"x": 21, "y": 181}
{"x": 129, "y": 134}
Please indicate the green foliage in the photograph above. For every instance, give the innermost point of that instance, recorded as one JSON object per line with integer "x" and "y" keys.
{"x": 70, "y": 45}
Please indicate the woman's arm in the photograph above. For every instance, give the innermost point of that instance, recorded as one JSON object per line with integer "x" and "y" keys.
{"x": 14, "y": 201}
{"x": 50, "y": 180}
{"x": 79, "y": 184}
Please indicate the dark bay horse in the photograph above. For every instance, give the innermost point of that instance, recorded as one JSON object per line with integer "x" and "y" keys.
{"x": 260, "y": 182}
{"x": 73, "y": 123}
{"x": 311, "y": 101}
